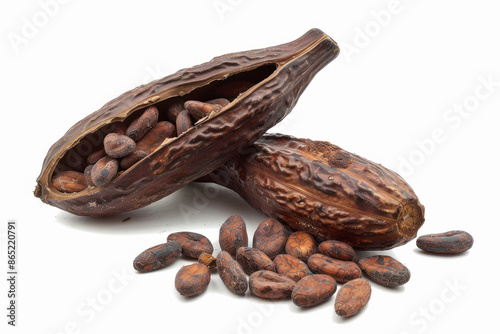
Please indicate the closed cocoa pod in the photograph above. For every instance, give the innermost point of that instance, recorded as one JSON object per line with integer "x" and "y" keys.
{"x": 270, "y": 237}
{"x": 142, "y": 124}
{"x": 301, "y": 245}
{"x": 276, "y": 78}
{"x": 157, "y": 257}
{"x": 69, "y": 181}
{"x": 193, "y": 244}
{"x": 231, "y": 273}
{"x": 338, "y": 250}
{"x": 319, "y": 188}
{"x": 118, "y": 146}
{"x": 341, "y": 271}
{"x": 352, "y": 297}
{"x": 291, "y": 267}
{"x": 385, "y": 270}
{"x": 104, "y": 171}
{"x": 451, "y": 242}
{"x": 313, "y": 290}
{"x": 233, "y": 235}
{"x": 192, "y": 280}
{"x": 270, "y": 285}
{"x": 252, "y": 260}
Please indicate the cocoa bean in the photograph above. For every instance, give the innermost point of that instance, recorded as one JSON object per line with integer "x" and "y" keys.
{"x": 338, "y": 250}
{"x": 233, "y": 235}
{"x": 291, "y": 267}
{"x": 301, "y": 245}
{"x": 231, "y": 273}
{"x": 270, "y": 285}
{"x": 130, "y": 160}
{"x": 385, "y": 270}
{"x": 341, "y": 271}
{"x": 192, "y": 280}
{"x": 104, "y": 171}
{"x": 221, "y": 101}
{"x": 352, "y": 297}
{"x": 270, "y": 237}
{"x": 156, "y": 136}
{"x": 451, "y": 242}
{"x": 252, "y": 260}
{"x": 193, "y": 244}
{"x": 174, "y": 108}
{"x": 157, "y": 257}
{"x": 141, "y": 125}
{"x": 69, "y": 182}
{"x": 87, "y": 174}
{"x": 199, "y": 109}
{"x": 118, "y": 146}
{"x": 313, "y": 290}
{"x": 183, "y": 122}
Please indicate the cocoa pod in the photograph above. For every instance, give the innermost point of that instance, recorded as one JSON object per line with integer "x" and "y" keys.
{"x": 319, "y": 188}
{"x": 157, "y": 257}
{"x": 232, "y": 275}
{"x": 192, "y": 280}
{"x": 142, "y": 124}
{"x": 291, "y": 267}
{"x": 451, "y": 242}
{"x": 352, "y": 297}
{"x": 338, "y": 250}
{"x": 270, "y": 285}
{"x": 104, "y": 171}
{"x": 275, "y": 76}
{"x": 233, "y": 235}
{"x": 270, "y": 237}
{"x": 208, "y": 259}
{"x": 385, "y": 270}
{"x": 301, "y": 245}
{"x": 341, "y": 271}
{"x": 193, "y": 244}
{"x": 69, "y": 182}
{"x": 118, "y": 146}
{"x": 252, "y": 260}
{"x": 313, "y": 290}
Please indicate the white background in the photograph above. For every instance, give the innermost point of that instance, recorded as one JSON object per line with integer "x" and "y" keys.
{"x": 392, "y": 96}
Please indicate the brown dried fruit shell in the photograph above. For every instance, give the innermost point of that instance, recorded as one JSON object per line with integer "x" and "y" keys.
{"x": 320, "y": 188}
{"x": 385, "y": 270}
{"x": 280, "y": 74}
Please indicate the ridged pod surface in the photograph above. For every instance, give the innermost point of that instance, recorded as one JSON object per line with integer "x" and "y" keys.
{"x": 320, "y": 188}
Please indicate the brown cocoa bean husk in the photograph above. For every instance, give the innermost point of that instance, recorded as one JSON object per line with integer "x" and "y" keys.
{"x": 193, "y": 244}
{"x": 157, "y": 257}
{"x": 176, "y": 105}
{"x": 338, "y": 250}
{"x": 192, "y": 280}
{"x": 69, "y": 182}
{"x": 270, "y": 237}
{"x": 352, "y": 297}
{"x": 208, "y": 259}
{"x": 252, "y": 260}
{"x": 183, "y": 122}
{"x": 451, "y": 242}
{"x": 291, "y": 267}
{"x": 155, "y": 137}
{"x": 141, "y": 125}
{"x": 197, "y": 109}
{"x": 118, "y": 146}
{"x": 313, "y": 290}
{"x": 231, "y": 273}
{"x": 129, "y": 161}
{"x": 270, "y": 285}
{"x": 341, "y": 271}
{"x": 319, "y": 188}
{"x": 301, "y": 245}
{"x": 104, "y": 171}
{"x": 277, "y": 75}
{"x": 233, "y": 235}
{"x": 385, "y": 270}
{"x": 87, "y": 174}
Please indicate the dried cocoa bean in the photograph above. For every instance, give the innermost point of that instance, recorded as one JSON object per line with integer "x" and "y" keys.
{"x": 291, "y": 267}
{"x": 252, "y": 260}
{"x": 270, "y": 237}
{"x": 208, "y": 259}
{"x": 338, "y": 250}
{"x": 118, "y": 146}
{"x": 352, "y": 297}
{"x": 173, "y": 110}
{"x": 87, "y": 174}
{"x": 233, "y": 235}
{"x": 183, "y": 122}
{"x": 69, "y": 182}
{"x": 157, "y": 257}
{"x": 270, "y": 285}
{"x": 301, "y": 245}
{"x": 231, "y": 273}
{"x": 104, "y": 171}
{"x": 341, "y": 271}
{"x": 385, "y": 270}
{"x": 141, "y": 125}
{"x": 221, "y": 101}
{"x": 193, "y": 244}
{"x": 130, "y": 160}
{"x": 156, "y": 136}
{"x": 451, "y": 242}
{"x": 313, "y": 290}
{"x": 95, "y": 156}
{"x": 192, "y": 280}
{"x": 198, "y": 109}
{"x": 117, "y": 127}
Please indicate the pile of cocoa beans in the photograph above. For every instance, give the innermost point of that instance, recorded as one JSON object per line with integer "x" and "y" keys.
{"x": 285, "y": 264}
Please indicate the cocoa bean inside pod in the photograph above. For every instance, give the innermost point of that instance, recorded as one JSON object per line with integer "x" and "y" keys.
{"x": 319, "y": 188}
{"x": 261, "y": 85}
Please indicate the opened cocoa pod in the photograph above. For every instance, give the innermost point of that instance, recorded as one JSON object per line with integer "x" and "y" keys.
{"x": 318, "y": 187}
{"x": 262, "y": 86}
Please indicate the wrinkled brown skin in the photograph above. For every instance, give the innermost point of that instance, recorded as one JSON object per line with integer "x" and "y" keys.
{"x": 270, "y": 285}
{"x": 193, "y": 244}
{"x": 385, "y": 270}
{"x": 301, "y": 245}
{"x": 313, "y": 290}
{"x": 192, "y": 280}
{"x": 157, "y": 257}
{"x": 233, "y": 235}
{"x": 352, "y": 297}
{"x": 338, "y": 250}
{"x": 291, "y": 267}
{"x": 252, "y": 260}
{"x": 270, "y": 237}
{"x": 211, "y": 143}
{"x": 318, "y": 187}
{"x": 231, "y": 273}
{"x": 341, "y": 271}
{"x": 451, "y": 242}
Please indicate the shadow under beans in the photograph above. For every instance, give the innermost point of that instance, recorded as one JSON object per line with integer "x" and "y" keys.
{"x": 438, "y": 255}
